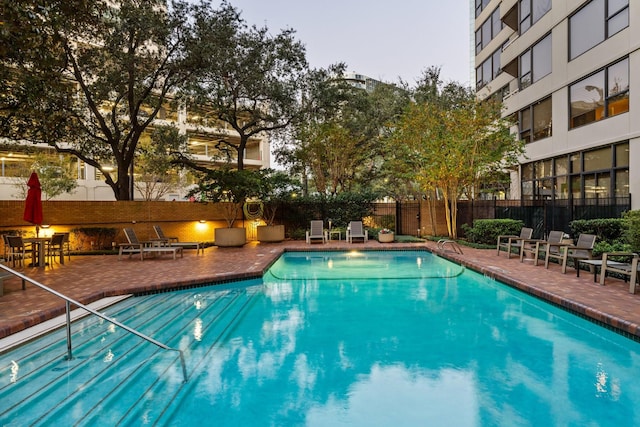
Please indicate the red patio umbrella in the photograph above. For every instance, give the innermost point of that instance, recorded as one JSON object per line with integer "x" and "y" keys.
{"x": 33, "y": 205}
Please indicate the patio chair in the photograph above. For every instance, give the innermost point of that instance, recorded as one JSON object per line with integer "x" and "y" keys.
{"x": 511, "y": 241}
{"x": 54, "y": 247}
{"x": 554, "y": 240}
{"x": 316, "y": 232}
{"x": 355, "y": 230}
{"x": 66, "y": 244}
{"x": 18, "y": 250}
{"x": 135, "y": 246}
{"x": 583, "y": 249}
{"x": 627, "y": 269}
{"x": 174, "y": 241}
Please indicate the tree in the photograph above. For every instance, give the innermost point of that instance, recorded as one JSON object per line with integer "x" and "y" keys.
{"x": 340, "y": 139}
{"x": 452, "y": 139}
{"x": 54, "y": 172}
{"x": 252, "y": 80}
{"x": 107, "y": 70}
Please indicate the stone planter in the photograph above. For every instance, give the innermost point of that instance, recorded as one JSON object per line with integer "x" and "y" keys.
{"x": 230, "y": 237}
{"x": 270, "y": 233}
{"x": 386, "y": 238}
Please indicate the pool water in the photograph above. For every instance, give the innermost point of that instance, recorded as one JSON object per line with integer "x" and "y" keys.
{"x": 333, "y": 339}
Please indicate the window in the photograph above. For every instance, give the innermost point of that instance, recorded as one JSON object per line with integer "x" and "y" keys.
{"x": 488, "y": 30}
{"x": 605, "y": 174}
{"x": 594, "y": 23}
{"x": 535, "y": 63}
{"x": 531, "y": 11}
{"x": 603, "y": 94}
{"x": 480, "y": 6}
{"x": 488, "y": 70}
{"x": 535, "y": 121}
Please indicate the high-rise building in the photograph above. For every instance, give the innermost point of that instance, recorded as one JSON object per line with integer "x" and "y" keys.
{"x": 565, "y": 70}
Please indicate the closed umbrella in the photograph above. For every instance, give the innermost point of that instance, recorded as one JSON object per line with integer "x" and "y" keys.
{"x": 33, "y": 205}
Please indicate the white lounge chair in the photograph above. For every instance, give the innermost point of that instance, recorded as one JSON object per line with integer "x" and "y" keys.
{"x": 355, "y": 230}
{"x": 536, "y": 246}
{"x": 629, "y": 269}
{"x": 316, "y": 232}
{"x": 173, "y": 241}
{"x": 135, "y": 246}
{"x": 583, "y": 249}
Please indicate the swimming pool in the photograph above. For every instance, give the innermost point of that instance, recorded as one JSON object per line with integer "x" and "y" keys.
{"x": 409, "y": 339}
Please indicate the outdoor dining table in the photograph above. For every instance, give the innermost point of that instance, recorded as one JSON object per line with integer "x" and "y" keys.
{"x": 39, "y": 244}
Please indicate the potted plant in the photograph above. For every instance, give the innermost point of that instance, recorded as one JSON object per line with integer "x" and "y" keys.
{"x": 275, "y": 188}
{"x": 230, "y": 188}
{"x": 385, "y": 236}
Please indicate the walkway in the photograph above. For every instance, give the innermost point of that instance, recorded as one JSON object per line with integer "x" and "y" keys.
{"x": 90, "y": 278}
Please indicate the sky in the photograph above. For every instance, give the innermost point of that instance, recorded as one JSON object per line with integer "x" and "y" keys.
{"x": 382, "y": 39}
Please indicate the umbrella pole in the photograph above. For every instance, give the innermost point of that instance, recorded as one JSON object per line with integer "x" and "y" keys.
{"x": 37, "y": 231}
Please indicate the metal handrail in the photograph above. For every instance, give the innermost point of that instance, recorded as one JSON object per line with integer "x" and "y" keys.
{"x": 70, "y": 301}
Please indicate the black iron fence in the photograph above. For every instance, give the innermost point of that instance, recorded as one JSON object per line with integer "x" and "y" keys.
{"x": 404, "y": 217}
{"x": 543, "y": 215}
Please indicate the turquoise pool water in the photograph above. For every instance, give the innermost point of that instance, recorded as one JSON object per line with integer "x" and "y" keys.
{"x": 409, "y": 340}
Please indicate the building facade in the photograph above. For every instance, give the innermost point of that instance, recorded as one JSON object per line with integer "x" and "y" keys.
{"x": 567, "y": 71}
{"x": 204, "y": 134}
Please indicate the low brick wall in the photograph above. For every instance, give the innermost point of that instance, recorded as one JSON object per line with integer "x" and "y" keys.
{"x": 180, "y": 219}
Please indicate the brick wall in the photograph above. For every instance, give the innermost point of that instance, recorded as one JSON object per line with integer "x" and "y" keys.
{"x": 179, "y": 219}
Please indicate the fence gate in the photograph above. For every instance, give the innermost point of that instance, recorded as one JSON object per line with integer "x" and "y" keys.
{"x": 408, "y": 217}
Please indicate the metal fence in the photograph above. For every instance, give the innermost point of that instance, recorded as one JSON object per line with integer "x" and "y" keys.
{"x": 543, "y": 215}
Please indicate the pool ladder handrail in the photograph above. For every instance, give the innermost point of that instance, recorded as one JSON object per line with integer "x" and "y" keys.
{"x": 455, "y": 247}
{"x": 70, "y": 301}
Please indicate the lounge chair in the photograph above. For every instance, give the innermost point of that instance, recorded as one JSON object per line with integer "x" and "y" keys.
{"x": 536, "y": 246}
{"x": 629, "y": 269}
{"x": 173, "y": 241}
{"x": 355, "y": 230}
{"x": 135, "y": 246}
{"x": 511, "y": 241}
{"x": 583, "y": 249}
{"x": 316, "y": 232}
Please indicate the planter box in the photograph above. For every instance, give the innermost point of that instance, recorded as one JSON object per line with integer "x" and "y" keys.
{"x": 386, "y": 238}
{"x": 230, "y": 237}
{"x": 270, "y": 233}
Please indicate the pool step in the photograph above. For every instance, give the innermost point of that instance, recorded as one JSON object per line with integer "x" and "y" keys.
{"x": 108, "y": 361}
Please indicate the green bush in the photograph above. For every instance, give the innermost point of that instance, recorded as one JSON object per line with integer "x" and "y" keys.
{"x": 611, "y": 230}
{"x": 632, "y": 232}
{"x": 486, "y": 231}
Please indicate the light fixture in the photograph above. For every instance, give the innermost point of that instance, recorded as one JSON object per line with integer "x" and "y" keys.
{"x": 202, "y": 221}
{"x": 45, "y": 226}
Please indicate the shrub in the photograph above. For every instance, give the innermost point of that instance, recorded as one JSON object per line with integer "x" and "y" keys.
{"x": 486, "y": 231}
{"x": 632, "y": 232}
{"x": 611, "y": 230}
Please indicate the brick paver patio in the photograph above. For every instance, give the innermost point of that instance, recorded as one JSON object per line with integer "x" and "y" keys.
{"x": 90, "y": 278}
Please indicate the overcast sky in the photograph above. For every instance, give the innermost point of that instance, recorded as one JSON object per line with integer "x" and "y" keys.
{"x": 382, "y": 39}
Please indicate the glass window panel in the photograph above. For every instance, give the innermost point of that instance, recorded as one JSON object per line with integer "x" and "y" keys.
{"x": 496, "y": 63}
{"x": 479, "y": 77}
{"x": 496, "y": 22}
{"x": 587, "y": 100}
{"x": 543, "y": 168}
{"x": 562, "y": 188}
{"x": 622, "y": 155}
{"x": 486, "y": 33}
{"x": 614, "y": 6}
{"x": 525, "y": 15}
{"x": 527, "y": 172}
{"x": 478, "y": 41}
{"x": 576, "y": 166}
{"x": 545, "y": 189}
{"x": 603, "y": 187}
{"x": 597, "y": 159}
{"x": 540, "y": 8}
{"x": 576, "y": 190}
{"x": 527, "y": 190}
{"x": 525, "y": 124}
{"x": 618, "y": 104}
{"x": 542, "y": 58}
{"x": 486, "y": 71}
{"x": 622, "y": 183}
{"x": 618, "y": 23}
{"x": 586, "y": 28}
{"x": 618, "y": 77}
{"x": 562, "y": 166}
{"x": 590, "y": 186}
{"x": 525, "y": 69}
{"x": 542, "y": 119}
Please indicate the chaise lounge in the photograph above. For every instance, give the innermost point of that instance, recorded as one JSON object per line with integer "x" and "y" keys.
{"x": 173, "y": 241}
{"x": 135, "y": 246}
